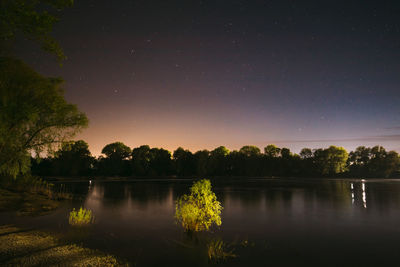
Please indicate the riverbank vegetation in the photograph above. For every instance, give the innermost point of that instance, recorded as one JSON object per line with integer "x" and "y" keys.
{"x": 75, "y": 159}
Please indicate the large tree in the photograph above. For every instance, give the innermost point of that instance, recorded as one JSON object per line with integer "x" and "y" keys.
{"x": 250, "y": 151}
{"x": 33, "y": 115}
{"x": 141, "y": 158}
{"x": 184, "y": 162}
{"x": 272, "y": 151}
{"x": 117, "y": 159}
{"x": 74, "y": 158}
{"x": 218, "y": 161}
{"x": 331, "y": 161}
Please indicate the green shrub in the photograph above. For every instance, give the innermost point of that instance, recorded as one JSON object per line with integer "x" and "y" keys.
{"x": 80, "y": 218}
{"x": 199, "y": 210}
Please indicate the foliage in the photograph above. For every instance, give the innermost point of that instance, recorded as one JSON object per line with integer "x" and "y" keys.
{"x": 217, "y": 161}
{"x": 250, "y": 151}
{"x": 116, "y": 161}
{"x": 160, "y": 162}
{"x": 332, "y": 160}
{"x": 141, "y": 160}
{"x": 373, "y": 162}
{"x": 203, "y": 162}
{"x": 199, "y": 210}
{"x": 34, "y": 19}
{"x": 151, "y": 161}
{"x": 272, "y": 151}
{"x": 218, "y": 250}
{"x": 116, "y": 150}
{"x": 80, "y": 218}
{"x": 73, "y": 158}
{"x": 250, "y": 162}
{"x": 33, "y": 115}
{"x": 306, "y": 153}
{"x": 184, "y": 162}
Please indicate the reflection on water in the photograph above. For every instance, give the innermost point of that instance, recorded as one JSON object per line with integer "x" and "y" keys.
{"x": 292, "y": 222}
{"x": 364, "y": 194}
{"x": 359, "y": 190}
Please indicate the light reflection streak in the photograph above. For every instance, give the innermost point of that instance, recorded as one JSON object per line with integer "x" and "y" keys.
{"x": 364, "y": 194}
{"x": 352, "y": 193}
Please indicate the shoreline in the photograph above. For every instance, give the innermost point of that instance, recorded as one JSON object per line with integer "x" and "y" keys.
{"x": 26, "y": 203}
{"x": 53, "y": 179}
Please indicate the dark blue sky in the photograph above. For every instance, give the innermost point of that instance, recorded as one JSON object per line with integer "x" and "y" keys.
{"x": 200, "y": 74}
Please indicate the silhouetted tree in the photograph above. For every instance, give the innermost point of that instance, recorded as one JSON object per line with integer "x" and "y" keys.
{"x": 272, "y": 151}
{"x": 202, "y": 162}
{"x": 141, "y": 160}
{"x": 116, "y": 161}
{"x": 285, "y": 153}
{"x": 306, "y": 153}
{"x": 184, "y": 162}
{"x": 250, "y": 151}
{"x": 160, "y": 162}
{"x": 218, "y": 161}
{"x": 251, "y": 161}
{"x": 359, "y": 160}
{"x": 373, "y": 162}
{"x": 74, "y": 158}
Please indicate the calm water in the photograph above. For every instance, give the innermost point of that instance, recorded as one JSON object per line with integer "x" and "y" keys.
{"x": 275, "y": 222}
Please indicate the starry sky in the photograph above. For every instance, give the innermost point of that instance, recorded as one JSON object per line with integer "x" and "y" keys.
{"x": 200, "y": 74}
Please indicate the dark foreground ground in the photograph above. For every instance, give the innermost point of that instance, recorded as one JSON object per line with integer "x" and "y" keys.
{"x": 28, "y": 247}
{"x": 24, "y": 247}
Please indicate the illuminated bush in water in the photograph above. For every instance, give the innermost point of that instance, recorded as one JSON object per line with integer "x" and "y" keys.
{"x": 199, "y": 210}
{"x": 81, "y": 217}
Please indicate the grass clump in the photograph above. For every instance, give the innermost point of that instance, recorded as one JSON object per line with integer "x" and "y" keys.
{"x": 199, "y": 210}
{"x": 218, "y": 250}
{"x": 81, "y": 217}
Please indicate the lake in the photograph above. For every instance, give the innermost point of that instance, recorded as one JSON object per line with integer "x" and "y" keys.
{"x": 274, "y": 222}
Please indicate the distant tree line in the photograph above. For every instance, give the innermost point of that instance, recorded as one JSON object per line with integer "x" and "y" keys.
{"x": 75, "y": 159}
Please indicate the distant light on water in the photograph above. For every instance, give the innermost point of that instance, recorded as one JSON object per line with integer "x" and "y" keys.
{"x": 364, "y": 194}
{"x": 352, "y": 193}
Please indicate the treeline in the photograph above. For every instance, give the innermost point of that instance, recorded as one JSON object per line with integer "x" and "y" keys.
{"x": 75, "y": 159}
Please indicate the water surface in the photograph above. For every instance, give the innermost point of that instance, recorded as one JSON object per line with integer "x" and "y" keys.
{"x": 275, "y": 222}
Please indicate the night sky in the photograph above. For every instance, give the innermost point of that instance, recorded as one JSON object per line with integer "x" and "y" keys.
{"x": 200, "y": 74}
